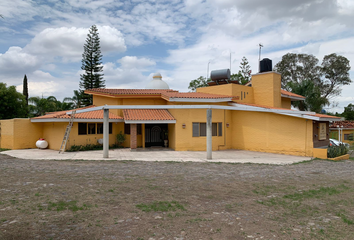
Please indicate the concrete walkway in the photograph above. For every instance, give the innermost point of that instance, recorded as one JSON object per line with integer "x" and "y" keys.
{"x": 226, "y": 156}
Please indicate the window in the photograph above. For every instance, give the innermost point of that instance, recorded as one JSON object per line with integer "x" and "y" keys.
{"x": 195, "y": 129}
{"x": 348, "y": 136}
{"x": 127, "y": 129}
{"x": 214, "y": 129}
{"x": 220, "y": 129}
{"x": 110, "y": 128}
{"x": 82, "y": 128}
{"x": 91, "y": 128}
{"x": 202, "y": 129}
{"x": 199, "y": 129}
{"x": 99, "y": 128}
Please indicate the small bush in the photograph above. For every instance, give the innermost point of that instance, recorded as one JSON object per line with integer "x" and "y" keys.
{"x": 89, "y": 147}
{"x": 120, "y": 138}
{"x": 336, "y": 151}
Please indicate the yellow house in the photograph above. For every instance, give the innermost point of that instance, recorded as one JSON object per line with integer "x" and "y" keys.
{"x": 343, "y": 131}
{"x": 257, "y": 117}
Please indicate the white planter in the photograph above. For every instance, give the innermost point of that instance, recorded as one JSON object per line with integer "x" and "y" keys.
{"x": 41, "y": 143}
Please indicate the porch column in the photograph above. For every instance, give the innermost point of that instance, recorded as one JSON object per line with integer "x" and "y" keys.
{"x": 133, "y": 136}
{"x": 209, "y": 134}
{"x": 105, "y": 132}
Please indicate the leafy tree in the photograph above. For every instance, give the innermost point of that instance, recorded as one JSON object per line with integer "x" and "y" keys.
{"x": 245, "y": 71}
{"x": 197, "y": 83}
{"x": 39, "y": 106}
{"x": 313, "y": 102}
{"x": 92, "y": 65}
{"x": 335, "y": 69}
{"x": 327, "y": 78}
{"x": 349, "y": 112}
{"x": 64, "y": 105}
{"x": 12, "y": 103}
{"x": 25, "y": 91}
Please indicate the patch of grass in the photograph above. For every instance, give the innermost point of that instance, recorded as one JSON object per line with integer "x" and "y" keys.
{"x": 4, "y": 149}
{"x": 38, "y": 195}
{"x": 161, "y": 206}
{"x": 3, "y": 220}
{"x": 316, "y": 193}
{"x": 345, "y": 219}
{"x": 196, "y": 220}
{"x": 66, "y": 205}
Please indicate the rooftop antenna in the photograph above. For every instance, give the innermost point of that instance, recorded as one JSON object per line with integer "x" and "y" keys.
{"x": 259, "y": 58}
{"x": 230, "y": 60}
{"x": 206, "y": 79}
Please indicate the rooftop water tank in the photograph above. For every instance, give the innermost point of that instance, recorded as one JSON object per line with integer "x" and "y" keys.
{"x": 265, "y": 65}
{"x": 222, "y": 74}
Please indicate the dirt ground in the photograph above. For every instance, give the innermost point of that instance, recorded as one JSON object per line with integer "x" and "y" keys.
{"x": 169, "y": 200}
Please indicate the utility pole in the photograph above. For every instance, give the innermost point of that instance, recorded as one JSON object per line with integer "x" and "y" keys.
{"x": 259, "y": 58}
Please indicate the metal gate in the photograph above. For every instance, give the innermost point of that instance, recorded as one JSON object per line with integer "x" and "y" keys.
{"x": 154, "y": 134}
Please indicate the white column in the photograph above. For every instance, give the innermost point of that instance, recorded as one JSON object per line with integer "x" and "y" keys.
{"x": 209, "y": 134}
{"x": 105, "y": 132}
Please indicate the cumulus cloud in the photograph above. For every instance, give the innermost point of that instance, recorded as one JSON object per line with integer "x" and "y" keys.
{"x": 16, "y": 61}
{"x": 68, "y": 43}
{"x": 131, "y": 62}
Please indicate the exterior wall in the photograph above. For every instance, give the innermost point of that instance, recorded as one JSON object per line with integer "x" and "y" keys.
{"x": 184, "y": 140}
{"x": 269, "y": 132}
{"x": 20, "y": 133}
{"x": 172, "y": 136}
{"x": 267, "y": 89}
{"x": 286, "y": 103}
{"x": 102, "y": 100}
{"x": 320, "y": 153}
{"x": 334, "y": 134}
{"x": 316, "y": 142}
{"x": 54, "y": 133}
{"x": 242, "y": 94}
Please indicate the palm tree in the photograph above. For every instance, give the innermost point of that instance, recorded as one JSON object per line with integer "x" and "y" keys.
{"x": 39, "y": 106}
{"x": 76, "y": 99}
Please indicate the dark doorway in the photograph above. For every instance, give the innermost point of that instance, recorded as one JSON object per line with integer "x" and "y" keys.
{"x": 155, "y": 134}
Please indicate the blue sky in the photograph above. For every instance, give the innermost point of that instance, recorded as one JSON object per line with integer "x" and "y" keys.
{"x": 44, "y": 39}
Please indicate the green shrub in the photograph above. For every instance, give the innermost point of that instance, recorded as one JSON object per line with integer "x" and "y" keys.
{"x": 89, "y": 147}
{"x": 120, "y": 138}
{"x": 336, "y": 151}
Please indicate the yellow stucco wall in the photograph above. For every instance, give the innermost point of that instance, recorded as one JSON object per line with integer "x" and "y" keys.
{"x": 268, "y": 132}
{"x": 184, "y": 140}
{"x": 286, "y": 103}
{"x": 320, "y": 153}
{"x": 240, "y": 92}
{"x": 54, "y": 133}
{"x": 19, "y": 133}
{"x": 267, "y": 89}
{"x": 7, "y": 132}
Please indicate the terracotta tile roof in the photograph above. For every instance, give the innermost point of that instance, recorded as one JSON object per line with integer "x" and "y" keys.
{"x": 194, "y": 95}
{"x": 324, "y": 116}
{"x": 345, "y": 124}
{"x": 164, "y": 93}
{"x": 290, "y": 94}
{"x": 147, "y": 114}
{"x": 128, "y": 91}
{"x": 87, "y": 115}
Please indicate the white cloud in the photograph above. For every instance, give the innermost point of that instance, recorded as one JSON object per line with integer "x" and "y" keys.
{"x": 16, "y": 61}
{"x": 68, "y": 43}
{"x": 131, "y": 62}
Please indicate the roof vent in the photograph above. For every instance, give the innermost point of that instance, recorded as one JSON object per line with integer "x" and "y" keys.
{"x": 265, "y": 65}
